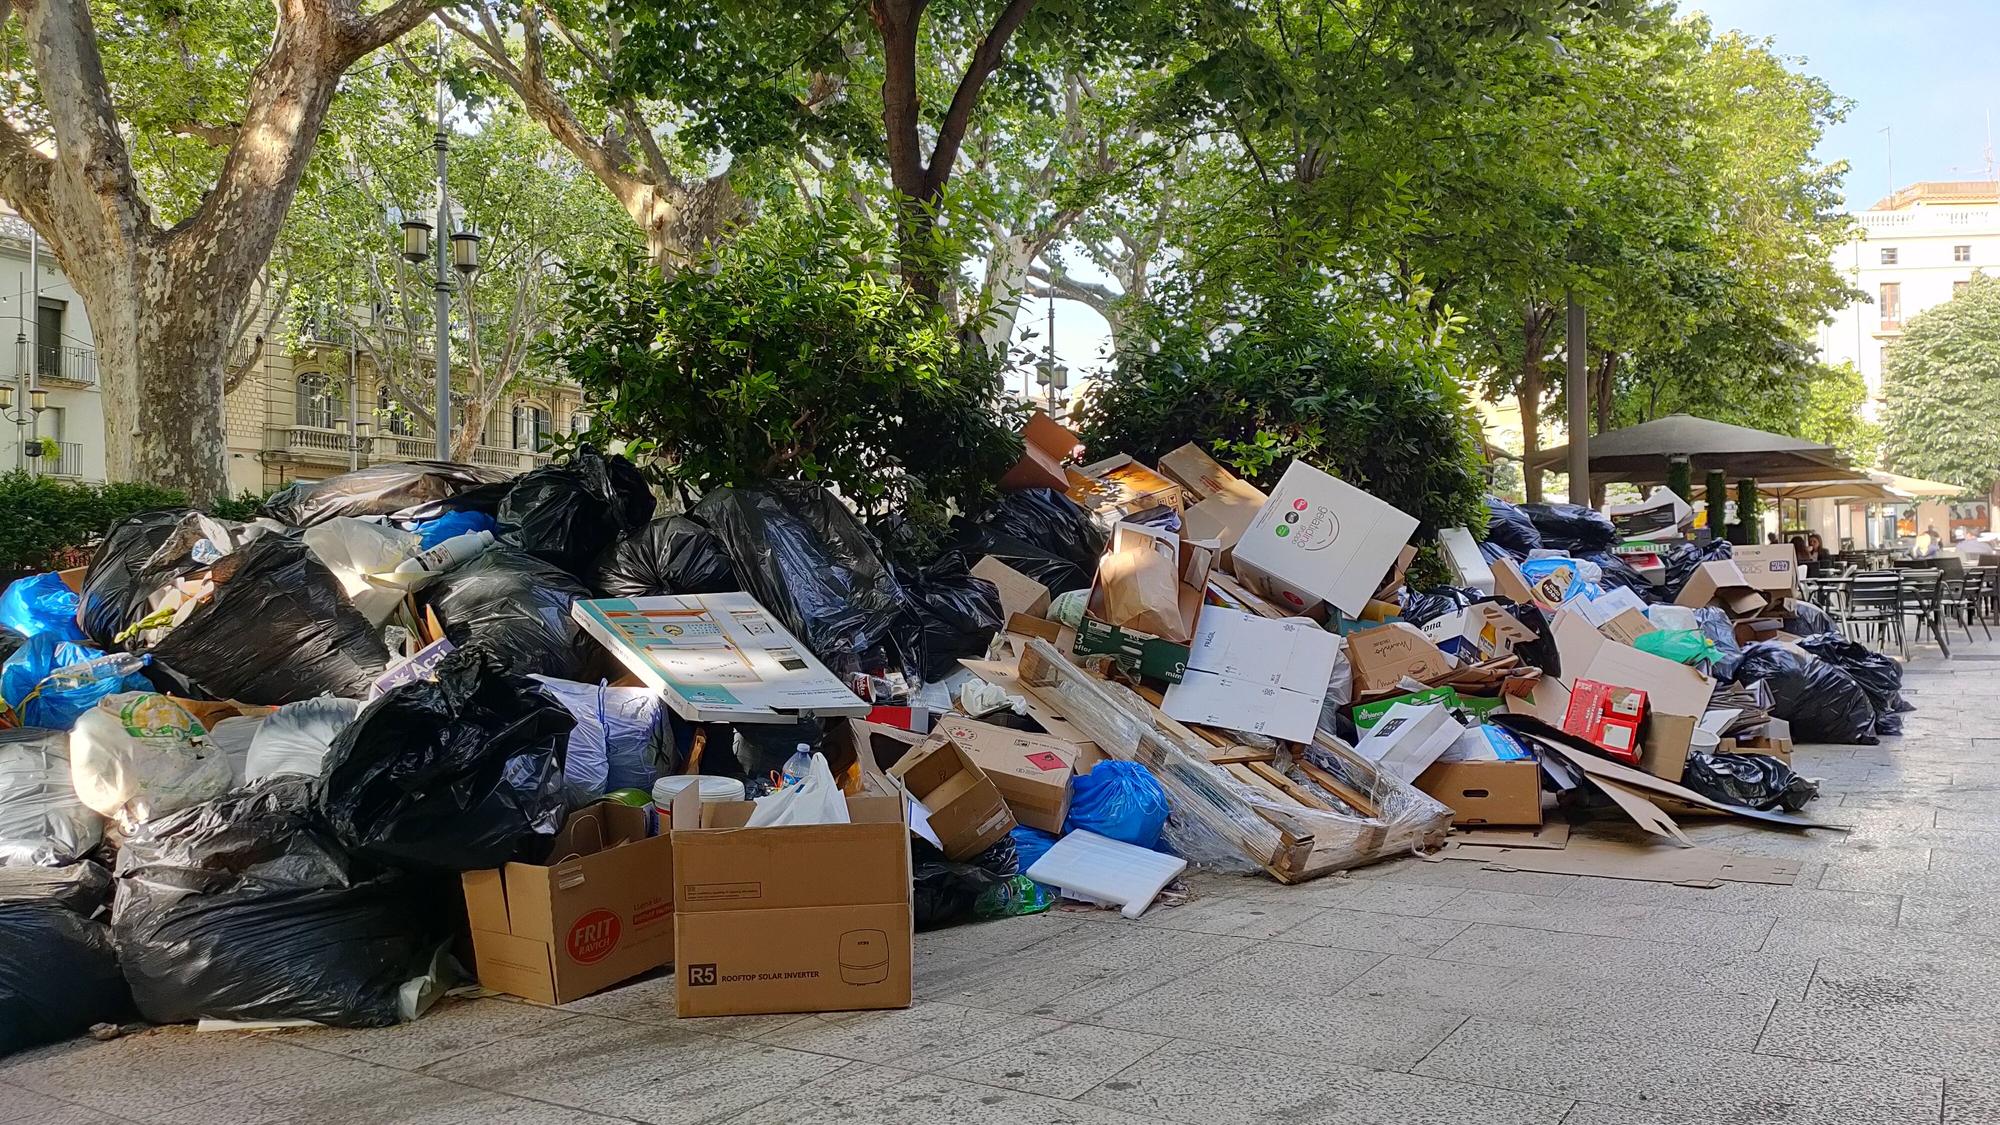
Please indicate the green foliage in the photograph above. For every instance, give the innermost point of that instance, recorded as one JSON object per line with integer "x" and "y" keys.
{"x": 791, "y": 353}
{"x": 1717, "y": 491}
{"x": 1942, "y": 391}
{"x": 1834, "y": 399}
{"x": 1680, "y": 479}
{"x": 1749, "y": 516}
{"x": 242, "y": 507}
{"x": 1296, "y": 378}
{"x": 48, "y": 520}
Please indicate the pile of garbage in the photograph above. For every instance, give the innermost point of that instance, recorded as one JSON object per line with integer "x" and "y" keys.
{"x": 251, "y": 770}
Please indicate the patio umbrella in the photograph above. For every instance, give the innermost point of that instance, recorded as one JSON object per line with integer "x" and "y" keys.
{"x": 1640, "y": 454}
{"x": 1917, "y": 486}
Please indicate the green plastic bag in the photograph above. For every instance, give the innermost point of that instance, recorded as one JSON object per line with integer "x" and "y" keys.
{"x": 1682, "y": 646}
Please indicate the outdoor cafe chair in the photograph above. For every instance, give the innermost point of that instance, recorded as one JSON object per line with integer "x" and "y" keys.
{"x": 1873, "y": 609}
{"x": 1923, "y": 603}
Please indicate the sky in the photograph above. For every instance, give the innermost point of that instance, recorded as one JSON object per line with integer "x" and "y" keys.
{"x": 1928, "y": 72}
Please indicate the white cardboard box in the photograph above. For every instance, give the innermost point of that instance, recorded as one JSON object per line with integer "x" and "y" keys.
{"x": 1408, "y": 738}
{"x": 1320, "y": 537}
{"x": 717, "y": 658}
{"x": 1468, "y": 564}
{"x": 1256, "y": 674}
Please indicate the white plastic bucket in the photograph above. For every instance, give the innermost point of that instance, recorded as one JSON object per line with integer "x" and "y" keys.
{"x": 712, "y": 789}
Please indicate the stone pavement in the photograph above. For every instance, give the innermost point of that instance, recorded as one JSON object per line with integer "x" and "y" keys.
{"x": 1410, "y": 993}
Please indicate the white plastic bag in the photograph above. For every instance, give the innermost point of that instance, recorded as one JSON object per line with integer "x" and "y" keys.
{"x": 607, "y": 747}
{"x": 138, "y": 754}
{"x": 232, "y": 737}
{"x": 41, "y": 821}
{"x": 815, "y": 800}
{"x": 364, "y": 556}
{"x": 296, "y": 737}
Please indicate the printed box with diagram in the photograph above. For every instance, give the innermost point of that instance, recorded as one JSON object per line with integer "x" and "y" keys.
{"x": 1031, "y": 771}
{"x": 792, "y": 918}
{"x": 600, "y": 912}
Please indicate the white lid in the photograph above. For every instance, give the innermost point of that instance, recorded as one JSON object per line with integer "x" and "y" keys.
{"x": 710, "y": 788}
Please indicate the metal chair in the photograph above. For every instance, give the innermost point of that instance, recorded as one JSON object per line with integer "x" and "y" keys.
{"x": 1962, "y": 596}
{"x": 1923, "y": 602}
{"x": 1874, "y": 609}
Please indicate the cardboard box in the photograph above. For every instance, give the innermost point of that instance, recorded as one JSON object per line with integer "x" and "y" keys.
{"x": 861, "y": 753}
{"x": 1031, "y": 771}
{"x": 1319, "y": 538}
{"x": 1117, "y": 487}
{"x": 1193, "y": 469}
{"x": 1019, "y": 594}
{"x": 1471, "y": 707}
{"x": 1720, "y": 583}
{"x": 1409, "y": 738}
{"x": 1608, "y": 716}
{"x": 1487, "y": 792}
{"x": 717, "y": 658}
{"x": 1510, "y": 583}
{"x": 1676, "y": 695}
{"x": 800, "y": 918}
{"x": 1478, "y": 632}
{"x": 1469, "y": 566}
{"x": 1153, "y": 656}
{"x": 1045, "y": 445}
{"x": 1384, "y": 655}
{"x": 1627, "y": 626}
{"x": 967, "y": 813}
{"x": 1252, "y": 673}
{"x": 1224, "y": 517}
{"x": 1659, "y": 516}
{"x": 1771, "y": 569}
{"x": 600, "y": 913}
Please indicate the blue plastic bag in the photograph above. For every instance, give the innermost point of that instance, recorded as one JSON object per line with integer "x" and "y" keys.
{"x": 432, "y": 532}
{"x": 1120, "y": 800}
{"x": 39, "y": 604}
{"x": 56, "y": 708}
{"x": 607, "y": 747}
{"x": 1030, "y": 844}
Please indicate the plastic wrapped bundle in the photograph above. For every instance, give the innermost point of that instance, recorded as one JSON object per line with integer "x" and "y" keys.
{"x": 401, "y": 488}
{"x": 567, "y": 513}
{"x": 277, "y": 629}
{"x": 673, "y": 555}
{"x": 247, "y": 908}
{"x": 516, "y": 607}
{"x": 805, "y": 558}
{"x": 462, "y": 773}
{"x": 42, "y": 821}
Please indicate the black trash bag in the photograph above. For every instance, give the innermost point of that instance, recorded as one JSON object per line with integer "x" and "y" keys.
{"x": 58, "y": 975}
{"x": 1682, "y": 559}
{"x": 1572, "y": 528}
{"x": 1821, "y": 701}
{"x": 1804, "y": 619}
{"x": 83, "y": 887}
{"x": 402, "y": 489}
{"x": 1041, "y": 533}
{"x": 1716, "y": 626}
{"x": 567, "y": 513}
{"x": 1421, "y": 608}
{"x": 461, "y": 773}
{"x": 1756, "y": 781}
{"x": 945, "y": 893}
{"x": 803, "y": 556}
{"x": 132, "y": 563}
{"x": 1540, "y": 652}
{"x": 9, "y": 641}
{"x": 279, "y": 629}
{"x": 1510, "y": 529}
{"x": 516, "y": 607}
{"x": 1878, "y": 675}
{"x": 246, "y": 907}
{"x": 958, "y": 613}
{"x": 670, "y": 555}
{"x": 1618, "y": 572}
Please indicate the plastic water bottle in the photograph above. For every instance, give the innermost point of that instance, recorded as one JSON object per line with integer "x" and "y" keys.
{"x": 453, "y": 551}
{"x": 115, "y": 666}
{"x": 796, "y": 767}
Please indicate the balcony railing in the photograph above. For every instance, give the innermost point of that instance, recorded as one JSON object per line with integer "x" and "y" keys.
{"x": 67, "y": 462}
{"x": 308, "y": 443}
{"x": 508, "y": 460}
{"x": 60, "y": 363}
{"x": 314, "y": 445}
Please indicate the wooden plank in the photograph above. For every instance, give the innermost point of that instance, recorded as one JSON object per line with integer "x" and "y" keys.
{"x": 1247, "y": 755}
{"x": 1291, "y": 788}
{"x": 1256, "y": 781}
{"x": 1355, "y": 799}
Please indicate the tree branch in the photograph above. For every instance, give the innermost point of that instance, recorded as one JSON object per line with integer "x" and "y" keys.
{"x": 985, "y": 60}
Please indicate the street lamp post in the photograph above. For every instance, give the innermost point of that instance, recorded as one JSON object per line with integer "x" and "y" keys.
{"x": 38, "y": 401}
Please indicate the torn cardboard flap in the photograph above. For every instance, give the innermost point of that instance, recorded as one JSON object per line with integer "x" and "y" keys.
{"x": 1019, "y": 594}
{"x": 1031, "y": 771}
{"x": 1046, "y": 445}
{"x": 1254, "y": 674}
{"x": 1720, "y": 583}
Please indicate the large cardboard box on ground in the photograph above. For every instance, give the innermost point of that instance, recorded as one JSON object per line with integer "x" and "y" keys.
{"x": 967, "y": 813}
{"x": 1319, "y": 538}
{"x": 600, "y": 912}
{"x": 718, "y": 658}
{"x": 1771, "y": 569}
{"x": 1676, "y": 695}
{"x": 1489, "y": 792}
{"x": 1151, "y": 654}
{"x": 799, "y": 918}
{"x": 1720, "y": 583}
{"x": 1045, "y": 445}
{"x": 1031, "y": 771}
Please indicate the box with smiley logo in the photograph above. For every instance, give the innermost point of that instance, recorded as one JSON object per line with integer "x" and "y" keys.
{"x": 1319, "y": 538}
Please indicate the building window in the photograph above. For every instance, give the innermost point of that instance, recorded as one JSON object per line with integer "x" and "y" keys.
{"x": 49, "y": 423}
{"x": 1891, "y": 300}
{"x": 49, "y": 337}
{"x": 579, "y": 422}
{"x": 1958, "y": 287}
{"x": 391, "y": 418}
{"x": 531, "y": 427}
{"x": 1961, "y": 253}
{"x": 1888, "y": 255}
{"x": 319, "y": 401}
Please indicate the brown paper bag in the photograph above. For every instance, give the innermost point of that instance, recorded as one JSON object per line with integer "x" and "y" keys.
{"x": 1141, "y": 586}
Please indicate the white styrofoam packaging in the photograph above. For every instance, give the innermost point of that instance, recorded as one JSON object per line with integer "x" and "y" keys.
{"x": 1320, "y": 536}
{"x": 1468, "y": 564}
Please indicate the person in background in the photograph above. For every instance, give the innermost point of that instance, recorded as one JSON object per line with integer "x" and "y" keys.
{"x": 1816, "y": 548}
{"x": 1800, "y": 551}
{"x": 1771, "y": 538}
{"x": 1927, "y": 544}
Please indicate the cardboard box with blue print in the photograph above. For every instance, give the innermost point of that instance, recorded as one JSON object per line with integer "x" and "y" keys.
{"x": 599, "y": 912}
{"x": 791, "y": 918}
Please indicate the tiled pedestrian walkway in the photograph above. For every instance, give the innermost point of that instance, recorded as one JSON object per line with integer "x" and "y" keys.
{"x": 1410, "y": 993}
